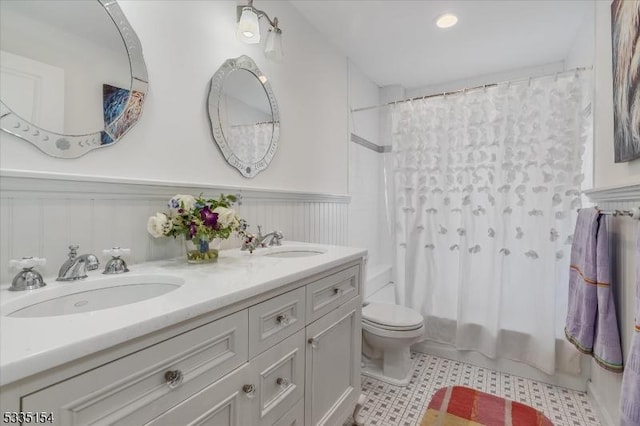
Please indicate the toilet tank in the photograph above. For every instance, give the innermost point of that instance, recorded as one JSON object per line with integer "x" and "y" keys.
{"x": 378, "y": 285}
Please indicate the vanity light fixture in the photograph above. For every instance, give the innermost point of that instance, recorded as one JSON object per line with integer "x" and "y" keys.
{"x": 249, "y": 30}
{"x": 447, "y": 20}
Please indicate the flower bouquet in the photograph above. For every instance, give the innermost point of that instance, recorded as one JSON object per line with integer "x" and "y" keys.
{"x": 203, "y": 222}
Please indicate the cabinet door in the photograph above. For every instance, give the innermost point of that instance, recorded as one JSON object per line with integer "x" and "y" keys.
{"x": 332, "y": 379}
{"x": 224, "y": 403}
{"x": 278, "y": 376}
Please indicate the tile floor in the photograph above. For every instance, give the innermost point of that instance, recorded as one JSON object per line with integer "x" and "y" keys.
{"x": 389, "y": 405}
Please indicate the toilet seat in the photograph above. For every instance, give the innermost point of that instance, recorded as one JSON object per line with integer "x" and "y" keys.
{"x": 391, "y": 317}
{"x": 372, "y": 324}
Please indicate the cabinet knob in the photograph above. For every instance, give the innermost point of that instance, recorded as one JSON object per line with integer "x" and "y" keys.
{"x": 249, "y": 390}
{"x": 283, "y": 319}
{"x": 337, "y": 291}
{"x": 313, "y": 342}
{"x": 283, "y": 382}
{"x": 173, "y": 378}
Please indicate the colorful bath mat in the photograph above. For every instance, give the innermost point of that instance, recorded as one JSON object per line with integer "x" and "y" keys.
{"x": 461, "y": 406}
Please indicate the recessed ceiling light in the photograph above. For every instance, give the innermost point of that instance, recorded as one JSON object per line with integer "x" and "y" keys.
{"x": 447, "y": 20}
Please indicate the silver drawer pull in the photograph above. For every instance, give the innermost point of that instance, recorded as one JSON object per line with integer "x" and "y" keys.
{"x": 283, "y": 382}
{"x": 249, "y": 390}
{"x": 313, "y": 342}
{"x": 173, "y": 378}
{"x": 283, "y": 319}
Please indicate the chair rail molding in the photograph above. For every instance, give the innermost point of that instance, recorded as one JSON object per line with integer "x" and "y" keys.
{"x": 24, "y": 183}
{"x": 625, "y": 192}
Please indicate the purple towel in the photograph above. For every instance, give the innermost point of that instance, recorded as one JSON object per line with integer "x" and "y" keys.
{"x": 630, "y": 394}
{"x": 592, "y": 324}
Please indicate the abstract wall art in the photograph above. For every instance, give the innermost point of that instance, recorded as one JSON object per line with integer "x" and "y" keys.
{"x": 625, "y": 37}
{"x": 121, "y": 109}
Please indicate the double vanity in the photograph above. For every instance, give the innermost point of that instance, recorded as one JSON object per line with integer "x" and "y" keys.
{"x": 269, "y": 338}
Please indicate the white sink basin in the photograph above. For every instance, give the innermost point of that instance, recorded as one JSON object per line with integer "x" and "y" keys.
{"x": 78, "y": 297}
{"x": 293, "y": 251}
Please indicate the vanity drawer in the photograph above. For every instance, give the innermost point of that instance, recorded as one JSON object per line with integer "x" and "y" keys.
{"x": 135, "y": 389}
{"x": 332, "y": 291}
{"x": 274, "y": 319}
{"x": 279, "y": 378}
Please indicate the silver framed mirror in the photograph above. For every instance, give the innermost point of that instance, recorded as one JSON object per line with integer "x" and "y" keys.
{"x": 73, "y": 75}
{"x": 244, "y": 115}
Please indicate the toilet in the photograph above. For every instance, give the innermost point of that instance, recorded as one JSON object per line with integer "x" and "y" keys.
{"x": 388, "y": 331}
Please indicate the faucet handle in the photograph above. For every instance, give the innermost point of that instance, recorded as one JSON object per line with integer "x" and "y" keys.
{"x": 116, "y": 251}
{"x": 277, "y": 237}
{"x": 27, "y": 262}
{"x": 115, "y": 265}
{"x": 73, "y": 251}
{"x": 27, "y": 279}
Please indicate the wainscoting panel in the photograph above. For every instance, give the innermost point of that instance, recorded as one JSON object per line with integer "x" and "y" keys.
{"x": 624, "y": 231}
{"x": 41, "y": 215}
{"x": 604, "y": 388}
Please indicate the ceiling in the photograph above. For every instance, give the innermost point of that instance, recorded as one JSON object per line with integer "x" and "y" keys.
{"x": 397, "y": 41}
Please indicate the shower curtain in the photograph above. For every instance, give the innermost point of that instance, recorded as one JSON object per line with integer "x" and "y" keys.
{"x": 486, "y": 186}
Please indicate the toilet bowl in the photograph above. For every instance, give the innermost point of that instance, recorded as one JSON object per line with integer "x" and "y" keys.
{"x": 387, "y": 333}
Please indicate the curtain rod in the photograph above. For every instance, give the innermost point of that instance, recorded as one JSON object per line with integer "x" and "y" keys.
{"x": 466, "y": 89}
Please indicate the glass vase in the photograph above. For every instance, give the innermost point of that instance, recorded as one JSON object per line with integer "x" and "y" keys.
{"x": 202, "y": 251}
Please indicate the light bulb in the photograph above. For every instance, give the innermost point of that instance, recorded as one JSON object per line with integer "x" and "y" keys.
{"x": 447, "y": 20}
{"x": 248, "y": 26}
{"x": 273, "y": 46}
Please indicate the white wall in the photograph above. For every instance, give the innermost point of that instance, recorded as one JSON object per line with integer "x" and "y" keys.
{"x": 184, "y": 43}
{"x": 607, "y": 173}
{"x": 582, "y": 52}
{"x": 582, "y": 55}
{"x": 368, "y": 225}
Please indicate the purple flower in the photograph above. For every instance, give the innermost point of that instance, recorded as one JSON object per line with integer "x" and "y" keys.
{"x": 208, "y": 217}
{"x": 193, "y": 230}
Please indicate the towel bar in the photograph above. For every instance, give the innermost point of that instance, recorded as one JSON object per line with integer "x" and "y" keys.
{"x": 632, "y": 213}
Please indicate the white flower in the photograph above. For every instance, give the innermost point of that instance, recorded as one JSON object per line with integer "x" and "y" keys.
{"x": 226, "y": 217}
{"x": 180, "y": 200}
{"x": 158, "y": 225}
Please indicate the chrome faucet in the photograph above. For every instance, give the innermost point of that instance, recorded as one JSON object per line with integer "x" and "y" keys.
{"x": 76, "y": 267}
{"x": 253, "y": 242}
{"x": 274, "y": 239}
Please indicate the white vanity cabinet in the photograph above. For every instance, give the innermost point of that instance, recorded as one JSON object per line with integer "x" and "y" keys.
{"x": 289, "y": 357}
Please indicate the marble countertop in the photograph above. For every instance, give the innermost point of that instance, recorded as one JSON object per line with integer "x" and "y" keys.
{"x": 32, "y": 345}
